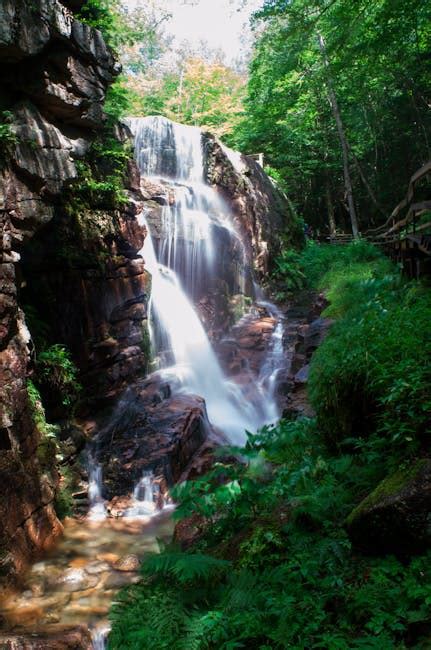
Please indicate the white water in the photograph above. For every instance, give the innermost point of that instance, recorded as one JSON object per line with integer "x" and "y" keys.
{"x": 147, "y": 498}
{"x": 267, "y": 380}
{"x": 95, "y": 483}
{"x": 195, "y": 363}
{"x": 99, "y": 636}
{"x": 172, "y": 153}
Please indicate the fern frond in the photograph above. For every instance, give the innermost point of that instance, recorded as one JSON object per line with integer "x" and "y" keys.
{"x": 184, "y": 567}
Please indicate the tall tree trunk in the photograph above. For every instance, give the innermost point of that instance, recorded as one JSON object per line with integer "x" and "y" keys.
{"x": 343, "y": 140}
{"x": 330, "y": 208}
{"x": 367, "y": 185}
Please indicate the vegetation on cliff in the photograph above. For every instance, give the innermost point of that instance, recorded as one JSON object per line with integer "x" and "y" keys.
{"x": 273, "y": 565}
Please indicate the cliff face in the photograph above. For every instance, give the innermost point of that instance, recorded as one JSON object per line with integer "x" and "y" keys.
{"x": 262, "y": 211}
{"x": 54, "y": 75}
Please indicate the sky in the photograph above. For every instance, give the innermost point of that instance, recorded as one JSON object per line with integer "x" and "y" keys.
{"x": 222, "y": 23}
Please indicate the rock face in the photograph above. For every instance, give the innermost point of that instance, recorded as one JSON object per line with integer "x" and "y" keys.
{"x": 54, "y": 75}
{"x": 151, "y": 430}
{"x": 261, "y": 210}
{"x": 53, "y": 639}
{"x": 396, "y": 517}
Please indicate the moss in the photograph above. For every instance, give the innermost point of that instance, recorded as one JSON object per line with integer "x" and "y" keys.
{"x": 46, "y": 453}
{"x": 238, "y": 306}
{"x": 63, "y": 502}
{"x": 390, "y": 486}
{"x": 146, "y": 346}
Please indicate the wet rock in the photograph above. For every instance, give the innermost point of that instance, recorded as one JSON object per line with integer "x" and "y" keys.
{"x": 118, "y": 506}
{"x": 262, "y": 211}
{"x": 151, "y": 429}
{"x": 127, "y": 563}
{"x": 76, "y": 580}
{"x": 301, "y": 376}
{"x": 188, "y": 531}
{"x": 95, "y": 568}
{"x": 54, "y": 637}
{"x": 54, "y": 77}
{"x": 110, "y": 558}
{"x": 396, "y": 516}
{"x": 118, "y": 580}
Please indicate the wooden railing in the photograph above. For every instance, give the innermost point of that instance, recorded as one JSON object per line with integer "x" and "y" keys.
{"x": 402, "y": 236}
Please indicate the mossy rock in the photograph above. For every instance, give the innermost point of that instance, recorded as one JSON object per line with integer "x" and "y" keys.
{"x": 396, "y": 516}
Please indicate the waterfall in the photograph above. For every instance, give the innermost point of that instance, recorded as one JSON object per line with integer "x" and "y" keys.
{"x": 268, "y": 374}
{"x": 182, "y": 264}
{"x": 95, "y": 482}
{"x": 99, "y": 636}
{"x": 147, "y": 499}
{"x": 195, "y": 364}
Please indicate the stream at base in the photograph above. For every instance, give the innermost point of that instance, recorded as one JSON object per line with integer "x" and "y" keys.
{"x": 75, "y": 583}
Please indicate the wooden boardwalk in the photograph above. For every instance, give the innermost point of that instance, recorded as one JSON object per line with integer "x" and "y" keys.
{"x": 406, "y": 235}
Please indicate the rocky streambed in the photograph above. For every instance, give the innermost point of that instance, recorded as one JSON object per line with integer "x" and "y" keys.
{"x": 64, "y": 600}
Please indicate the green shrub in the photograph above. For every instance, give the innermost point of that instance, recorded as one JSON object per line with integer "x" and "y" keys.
{"x": 370, "y": 377}
{"x": 63, "y": 502}
{"x": 288, "y": 270}
{"x": 47, "y": 430}
{"x": 57, "y": 376}
{"x": 109, "y": 18}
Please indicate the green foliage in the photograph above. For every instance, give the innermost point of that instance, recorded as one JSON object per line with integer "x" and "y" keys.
{"x": 369, "y": 377}
{"x": 184, "y": 567}
{"x": 108, "y": 17}
{"x": 47, "y": 430}
{"x": 294, "y": 270}
{"x": 63, "y": 502}
{"x": 274, "y": 568}
{"x": 288, "y": 271}
{"x": 57, "y": 372}
{"x": 92, "y": 190}
{"x": 380, "y": 78}
{"x": 119, "y": 101}
{"x": 317, "y": 260}
{"x": 7, "y": 135}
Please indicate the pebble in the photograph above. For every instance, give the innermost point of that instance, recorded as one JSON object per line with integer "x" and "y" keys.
{"x": 127, "y": 563}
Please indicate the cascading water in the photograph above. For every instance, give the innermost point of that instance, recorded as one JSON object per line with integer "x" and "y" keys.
{"x": 195, "y": 363}
{"x": 182, "y": 265}
{"x": 147, "y": 499}
{"x": 268, "y": 374}
{"x": 97, "y": 504}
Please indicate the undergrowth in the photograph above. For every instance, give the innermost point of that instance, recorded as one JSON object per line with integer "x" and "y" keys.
{"x": 272, "y": 566}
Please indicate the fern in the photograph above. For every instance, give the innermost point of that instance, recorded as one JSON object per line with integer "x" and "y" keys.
{"x": 184, "y": 567}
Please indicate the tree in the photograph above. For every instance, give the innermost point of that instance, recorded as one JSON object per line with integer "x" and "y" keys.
{"x": 375, "y": 67}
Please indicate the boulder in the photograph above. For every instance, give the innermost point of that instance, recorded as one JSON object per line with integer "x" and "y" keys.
{"x": 396, "y": 516}
{"x": 151, "y": 429}
{"x": 27, "y": 27}
{"x": 56, "y": 637}
{"x": 128, "y": 563}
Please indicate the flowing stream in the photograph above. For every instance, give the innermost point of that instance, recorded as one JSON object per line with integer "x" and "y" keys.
{"x": 76, "y": 582}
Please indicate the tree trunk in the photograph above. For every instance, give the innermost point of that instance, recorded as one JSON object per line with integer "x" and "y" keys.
{"x": 343, "y": 140}
{"x": 367, "y": 185}
{"x": 331, "y": 212}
